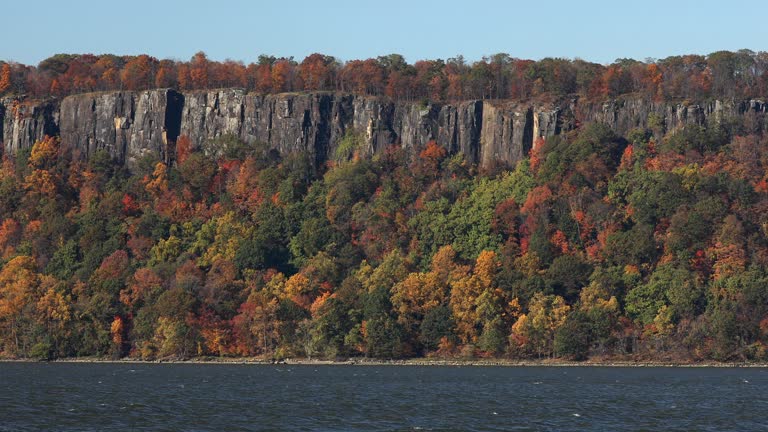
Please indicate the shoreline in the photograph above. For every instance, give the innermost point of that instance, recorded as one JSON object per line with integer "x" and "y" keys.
{"x": 407, "y": 362}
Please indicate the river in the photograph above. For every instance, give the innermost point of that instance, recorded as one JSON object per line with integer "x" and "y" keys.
{"x": 217, "y": 397}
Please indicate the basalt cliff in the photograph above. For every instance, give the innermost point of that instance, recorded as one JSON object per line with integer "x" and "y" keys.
{"x": 130, "y": 125}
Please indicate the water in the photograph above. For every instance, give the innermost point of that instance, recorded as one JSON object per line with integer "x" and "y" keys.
{"x": 102, "y": 397}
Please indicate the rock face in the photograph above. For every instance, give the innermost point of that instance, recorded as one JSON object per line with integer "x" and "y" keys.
{"x": 132, "y": 125}
{"x": 624, "y": 115}
{"x": 128, "y": 125}
{"x": 22, "y": 123}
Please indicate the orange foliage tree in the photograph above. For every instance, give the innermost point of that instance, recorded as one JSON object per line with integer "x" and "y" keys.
{"x": 5, "y": 78}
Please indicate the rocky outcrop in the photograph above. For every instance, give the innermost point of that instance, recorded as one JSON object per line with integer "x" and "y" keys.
{"x": 133, "y": 125}
{"x": 24, "y": 122}
{"x": 625, "y": 114}
{"x": 127, "y": 125}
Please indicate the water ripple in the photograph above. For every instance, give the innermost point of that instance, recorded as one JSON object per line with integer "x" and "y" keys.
{"x": 104, "y": 397}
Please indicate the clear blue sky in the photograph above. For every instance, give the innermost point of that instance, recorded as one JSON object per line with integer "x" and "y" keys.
{"x": 593, "y": 30}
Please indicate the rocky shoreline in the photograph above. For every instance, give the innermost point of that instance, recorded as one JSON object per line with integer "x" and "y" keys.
{"x": 407, "y": 362}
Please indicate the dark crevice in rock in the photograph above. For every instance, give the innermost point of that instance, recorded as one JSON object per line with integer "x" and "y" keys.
{"x": 475, "y": 133}
{"x": 528, "y": 132}
{"x": 173, "y": 111}
{"x": 51, "y": 123}
{"x": 560, "y": 122}
{"x": 242, "y": 119}
{"x": 323, "y": 136}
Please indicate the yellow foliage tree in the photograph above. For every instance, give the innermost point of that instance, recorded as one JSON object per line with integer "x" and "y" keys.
{"x": 116, "y": 330}
{"x": 41, "y": 182}
{"x": 19, "y": 283}
{"x": 298, "y": 289}
{"x": 54, "y": 308}
{"x": 536, "y": 329}
{"x": 221, "y": 237}
{"x": 157, "y": 185}
{"x": 445, "y": 267}
{"x": 595, "y": 296}
{"x": 44, "y": 153}
{"x": 416, "y": 295}
{"x": 474, "y": 298}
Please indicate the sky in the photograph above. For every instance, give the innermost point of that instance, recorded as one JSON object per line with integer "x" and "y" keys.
{"x": 594, "y": 30}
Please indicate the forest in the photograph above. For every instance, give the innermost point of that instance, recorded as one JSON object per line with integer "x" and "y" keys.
{"x": 722, "y": 74}
{"x": 650, "y": 246}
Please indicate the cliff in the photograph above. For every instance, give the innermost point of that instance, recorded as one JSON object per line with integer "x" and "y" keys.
{"x": 130, "y": 125}
{"x": 23, "y": 122}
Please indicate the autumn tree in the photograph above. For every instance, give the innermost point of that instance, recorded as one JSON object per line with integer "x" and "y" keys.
{"x": 256, "y": 324}
{"x": 138, "y": 73}
{"x": 418, "y": 294}
{"x": 281, "y": 76}
{"x": 535, "y": 331}
{"x": 315, "y": 71}
{"x": 477, "y": 303}
{"x": 167, "y": 75}
{"x": 19, "y": 285}
{"x": 5, "y": 78}
{"x": 198, "y": 71}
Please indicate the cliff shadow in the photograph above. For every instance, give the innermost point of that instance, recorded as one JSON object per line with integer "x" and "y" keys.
{"x": 173, "y": 111}
{"x": 50, "y": 120}
{"x": 528, "y": 133}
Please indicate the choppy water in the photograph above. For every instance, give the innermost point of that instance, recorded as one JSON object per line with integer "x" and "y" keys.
{"x": 102, "y": 397}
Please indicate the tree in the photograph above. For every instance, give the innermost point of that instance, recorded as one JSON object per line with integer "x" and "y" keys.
{"x": 385, "y": 338}
{"x": 183, "y": 148}
{"x": 437, "y": 325}
{"x": 475, "y": 300}
{"x": 536, "y": 329}
{"x": 19, "y": 283}
{"x": 256, "y": 325}
{"x": 198, "y": 71}
{"x": 281, "y": 76}
{"x": 5, "y": 78}
{"x": 315, "y": 71}
{"x": 117, "y": 330}
{"x": 138, "y": 73}
{"x": 331, "y": 324}
{"x": 572, "y": 339}
{"x": 197, "y": 170}
{"x": 144, "y": 285}
{"x": 44, "y": 153}
{"x": 567, "y": 275}
{"x": 167, "y": 75}
{"x": 728, "y": 252}
{"x": 10, "y": 234}
{"x": 418, "y": 293}
{"x": 669, "y": 290}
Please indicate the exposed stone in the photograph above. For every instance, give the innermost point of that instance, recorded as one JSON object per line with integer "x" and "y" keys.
{"x": 212, "y": 114}
{"x": 128, "y": 125}
{"x": 132, "y": 125}
{"x": 22, "y": 123}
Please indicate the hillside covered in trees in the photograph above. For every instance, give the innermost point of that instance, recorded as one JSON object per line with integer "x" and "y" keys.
{"x": 651, "y": 245}
{"x": 723, "y": 74}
